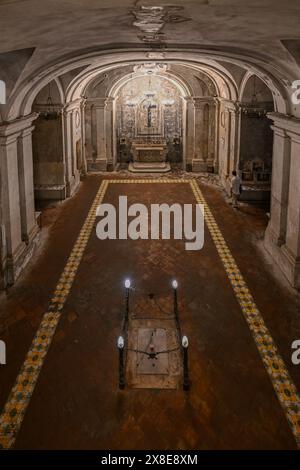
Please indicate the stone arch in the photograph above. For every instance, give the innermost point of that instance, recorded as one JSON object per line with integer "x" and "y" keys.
{"x": 18, "y": 119}
{"x": 48, "y": 145}
{"x": 179, "y": 83}
{"x": 256, "y": 137}
{"x": 248, "y": 76}
{"x": 102, "y": 107}
{"x": 23, "y": 97}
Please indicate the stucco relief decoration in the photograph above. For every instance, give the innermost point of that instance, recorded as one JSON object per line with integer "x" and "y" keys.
{"x": 156, "y": 55}
{"x": 150, "y": 68}
{"x": 223, "y": 119}
{"x": 151, "y": 20}
{"x": 77, "y": 119}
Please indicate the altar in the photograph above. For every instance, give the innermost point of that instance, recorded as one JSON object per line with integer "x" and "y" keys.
{"x": 149, "y": 155}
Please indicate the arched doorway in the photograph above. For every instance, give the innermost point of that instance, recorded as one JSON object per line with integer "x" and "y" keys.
{"x": 47, "y": 146}
{"x": 170, "y": 106}
{"x": 87, "y": 128}
{"x": 256, "y": 141}
{"x": 149, "y": 123}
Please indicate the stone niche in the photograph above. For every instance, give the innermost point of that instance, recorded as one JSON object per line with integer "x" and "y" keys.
{"x": 149, "y": 121}
{"x": 49, "y": 167}
{"x": 256, "y": 141}
{"x": 47, "y": 144}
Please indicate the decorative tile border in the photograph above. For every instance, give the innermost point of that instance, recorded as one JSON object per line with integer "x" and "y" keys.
{"x": 283, "y": 384}
{"x": 12, "y": 416}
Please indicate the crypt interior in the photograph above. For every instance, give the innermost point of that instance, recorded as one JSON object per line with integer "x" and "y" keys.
{"x": 161, "y": 103}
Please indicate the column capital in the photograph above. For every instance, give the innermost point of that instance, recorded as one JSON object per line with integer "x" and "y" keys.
{"x": 66, "y": 112}
{"x": 204, "y": 100}
{"x": 98, "y": 102}
{"x": 201, "y": 102}
{"x": 83, "y": 103}
{"x": 237, "y": 107}
{"x": 12, "y": 129}
{"x": 68, "y": 109}
{"x": 232, "y": 107}
{"x": 27, "y": 131}
{"x": 285, "y": 122}
{"x": 110, "y": 99}
{"x": 279, "y": 131}
{"x": 189, "y": 100}
{"x": 72, "y": 105}
{"x": 295, "y": 137}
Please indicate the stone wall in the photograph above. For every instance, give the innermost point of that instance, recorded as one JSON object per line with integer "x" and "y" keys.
{"x": 48, "y": 162}
{"x": 256, "y": 141}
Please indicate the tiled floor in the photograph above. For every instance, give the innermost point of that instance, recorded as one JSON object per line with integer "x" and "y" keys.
{"x": 231, "y": 307}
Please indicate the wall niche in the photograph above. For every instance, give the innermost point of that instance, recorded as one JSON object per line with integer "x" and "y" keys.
{"x": 149, "y": 109}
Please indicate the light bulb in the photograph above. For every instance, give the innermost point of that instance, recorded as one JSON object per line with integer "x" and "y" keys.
{"x": 185, "y": 342}
{"x": 127, "y": 283}
{"x": 174, "y": 284}
{"x": 120, "y": 342}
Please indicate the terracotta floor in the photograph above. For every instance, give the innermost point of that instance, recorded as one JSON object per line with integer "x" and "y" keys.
{"x": 76, "y": 403}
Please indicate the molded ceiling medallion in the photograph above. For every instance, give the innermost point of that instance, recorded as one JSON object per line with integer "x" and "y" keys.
{"x": 150, "y": 68}
{"x": 151, "y": 20}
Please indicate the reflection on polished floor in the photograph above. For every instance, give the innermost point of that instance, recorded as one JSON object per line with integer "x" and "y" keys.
{"x": 61, "y": 320}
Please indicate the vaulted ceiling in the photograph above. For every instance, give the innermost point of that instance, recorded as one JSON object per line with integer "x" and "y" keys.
{"x": 42, "y": 34}
{"x": 56, "y": 28}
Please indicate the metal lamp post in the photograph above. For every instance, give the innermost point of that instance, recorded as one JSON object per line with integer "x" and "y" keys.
{"x": 175, "y": 285}
{"x": 127, "y": 287}
{"x": 185, "y": 345}
{"x": 176, "y": 315}
{"x": 121, "y": 344}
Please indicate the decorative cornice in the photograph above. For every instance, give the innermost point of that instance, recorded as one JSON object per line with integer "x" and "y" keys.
{"x": 14, "y": 128}
{"x": 290, "y": 124}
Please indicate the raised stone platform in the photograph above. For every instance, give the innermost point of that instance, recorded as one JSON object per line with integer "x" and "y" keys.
{"x": 149, "y": 167}
{"x": 163, "y": 372}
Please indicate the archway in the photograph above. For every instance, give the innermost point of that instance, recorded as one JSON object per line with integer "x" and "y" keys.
{"x": 179, "y": 98}
{"x": 149, "y": 121}
{"x": 256, "y": 140}
{"x": 220, "y": 73}
{"x": 47, "y": 146}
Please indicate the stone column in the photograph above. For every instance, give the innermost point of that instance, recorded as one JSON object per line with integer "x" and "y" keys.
{"x": 201, "y": 135}
{"x": 100, "y": 164}
{"x": 17, "y": 196}
{"x": 88, "y": 121}
{"x": 231, "y": 117}
{"x": 109, "y": 130}
{"x": 3, "y": 280}
{"x": 293, "y": 212}
{"x": 229, "y": 141}
{"x": 280, "y": 186}
{"x": 211, "y": 135}
{"x": 67, "y": 148}
{"x": 237, "y": 143}
{"x": 11, "y": 199}
{"x": 26, "y": 184}
{"x": 232, "y": 140}
{"x": 69, "y": 132}
{"x": 217, "y": 135}
{"x": 190, "y": 132}
{"x": 282, "y": 238}
{"x": 83, "y": 136}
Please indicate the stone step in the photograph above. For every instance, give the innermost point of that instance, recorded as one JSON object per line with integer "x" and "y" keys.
{"x": 149, "y": 167}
